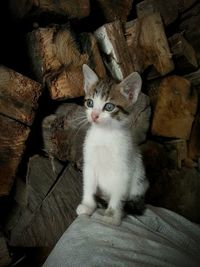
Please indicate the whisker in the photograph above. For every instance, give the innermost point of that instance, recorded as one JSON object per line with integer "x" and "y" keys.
{"x": 84, "y": 123}
{"x": 79, "y": 118}
{"x": 80, "y": 122}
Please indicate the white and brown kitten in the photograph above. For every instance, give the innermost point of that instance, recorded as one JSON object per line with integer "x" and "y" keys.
{"x": 112, "y": 161}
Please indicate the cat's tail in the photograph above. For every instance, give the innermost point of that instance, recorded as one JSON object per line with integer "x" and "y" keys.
{"x": 135, "y": 207}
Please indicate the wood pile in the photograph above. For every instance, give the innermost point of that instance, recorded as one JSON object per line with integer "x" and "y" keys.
{"x": 160, "y": 41}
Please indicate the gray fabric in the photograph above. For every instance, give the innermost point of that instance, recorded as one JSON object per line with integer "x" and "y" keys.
{"x": 158, "y": 238}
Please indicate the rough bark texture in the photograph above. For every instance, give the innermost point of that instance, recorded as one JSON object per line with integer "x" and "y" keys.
{"x": 114, "y": 48}
{"x": 175, "y": 108}
{"x": 64, "y": 133}
{"x": 148, "y": 46}
{"x": 18, "y": 96}
{"x": 115, "y": 9}
{"x": 193, "y": 77}
{"x": 12, "y": 144}
{"x": 23, "y": 9}
{"x": 169, "y": 10}
{"x": 183, "y": 53}
{"x": 57, "y": 59}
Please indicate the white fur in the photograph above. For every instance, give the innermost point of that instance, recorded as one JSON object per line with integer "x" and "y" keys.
{"x": 113, "y": 164}
{"x": 112, "y": 161}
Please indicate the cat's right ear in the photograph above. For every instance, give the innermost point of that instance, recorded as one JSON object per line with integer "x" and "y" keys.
{"x": 90, "y": 77}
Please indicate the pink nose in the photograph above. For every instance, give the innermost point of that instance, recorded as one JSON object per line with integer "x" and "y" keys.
{"x": 94, "y": 116}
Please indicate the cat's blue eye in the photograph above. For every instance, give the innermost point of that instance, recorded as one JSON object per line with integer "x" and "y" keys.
{"x": 109, "y": 107}
{"x": 89, "y": 103}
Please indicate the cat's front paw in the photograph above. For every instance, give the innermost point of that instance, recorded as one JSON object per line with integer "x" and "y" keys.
{"x": 112, "y": 217}
{"x": 84, "y": 209}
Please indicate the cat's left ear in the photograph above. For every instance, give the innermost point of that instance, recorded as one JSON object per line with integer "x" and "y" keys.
{"x": 131, "y": 86}
{"x": 90, "y": 77}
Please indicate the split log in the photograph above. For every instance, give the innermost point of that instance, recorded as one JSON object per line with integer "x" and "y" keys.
{"x": 152, "y": 89}
{"x": 18, "y": 96}
{"x": 177, "y": 150}
{"x": 140, "y": 118}
{"x": 194, "y": 77}
{"x": 64, "y": 133}
{"x": 12, "y": 143}
{"x": 56, "y": 58}
{"x": 44, "y": 225}
{"x": 152, "y": 153}
{"x": 194, "y": 144}
{"x": 113, "y": 46}
{"x": 184, "y": 5}
{"x": 175, "y": 108}
{"x": 41, "y": 177}
{"x": 5, "y": 259}
{"x": 26, "y": 9}
{"x": 188, "y": 24}
{"x": 183, "y": 53}
{"x": 148, "y": 45}
{"x": 115, "y": 10}
{"x": 20, "y": 195}
{"x": 169, "y": 10}
{"x": 177, "y": 190}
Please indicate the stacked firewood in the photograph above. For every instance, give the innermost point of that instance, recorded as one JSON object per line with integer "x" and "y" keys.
{"x": 155, "y": 38}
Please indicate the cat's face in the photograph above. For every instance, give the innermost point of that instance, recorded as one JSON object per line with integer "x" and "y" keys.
{"x": 105, "y": 105}
{"x": 109, "y": 103}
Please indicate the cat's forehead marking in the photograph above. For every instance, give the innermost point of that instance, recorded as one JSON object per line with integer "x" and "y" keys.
{"x": 99, "y": 102}
{"x": 102, "y": 89}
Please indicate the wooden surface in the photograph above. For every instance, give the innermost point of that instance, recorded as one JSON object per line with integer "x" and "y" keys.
{"x": 148, "y": 45}
{"x": 115, "y": 9}
{"x": 60, "y": 8}
{"x": 188, "y": 24}
{"x": 175, "y": 108}
{"x": 5, "y": 259}
{"x": 44, "y": 225}
{"x": 41, "y": 177}
{"x": 90, "y": 47}
{"x": 18, "y": 96}
{"x": 184, "y": 54}
{"x": 113, "y": 45}
{"x": 169, "y": 10}
{"x": 193, "y": 77}
{"x": 57, "y": 60}
{"x": 193, "y": 144}
{"x": 177, "y": 150}
{"x": 12, "y": 144}
{"x": 64, "y": 133}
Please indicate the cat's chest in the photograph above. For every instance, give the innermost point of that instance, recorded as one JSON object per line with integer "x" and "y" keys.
{"x": 106, "y": 145}
{"x": 104, "y": 139}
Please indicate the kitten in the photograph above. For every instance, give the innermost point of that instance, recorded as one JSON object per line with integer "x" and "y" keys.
{"x": 112, "y": 162}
